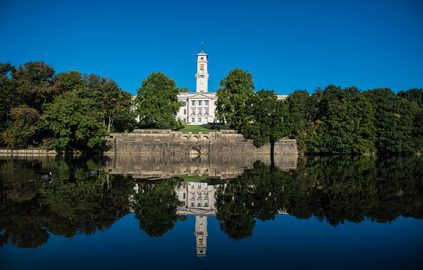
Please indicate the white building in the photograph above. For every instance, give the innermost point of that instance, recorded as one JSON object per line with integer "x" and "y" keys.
{"x": 199, "y": 200}
{"x": 199, "y": 107}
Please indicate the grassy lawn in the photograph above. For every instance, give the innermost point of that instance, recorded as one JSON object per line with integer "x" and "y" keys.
{"x": 196, "y": 178}
{"x": 196, "y": 129}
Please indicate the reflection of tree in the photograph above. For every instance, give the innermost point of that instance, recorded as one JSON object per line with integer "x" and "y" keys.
{"x": 334, "y": 189}
{"x": 155, "y": 206}
{"x": 77, "y": 198}
{"x": 81, "y": 198}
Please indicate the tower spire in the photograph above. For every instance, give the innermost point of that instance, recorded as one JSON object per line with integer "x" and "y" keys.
{"x": 202, "y": 46}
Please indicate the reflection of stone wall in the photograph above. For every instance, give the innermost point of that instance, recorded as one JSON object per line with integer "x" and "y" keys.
{"x": 177, "y": 143}
{"x": 222, "y": 166}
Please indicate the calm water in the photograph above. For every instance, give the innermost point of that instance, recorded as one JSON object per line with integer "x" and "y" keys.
{"x": 211, "y": 213}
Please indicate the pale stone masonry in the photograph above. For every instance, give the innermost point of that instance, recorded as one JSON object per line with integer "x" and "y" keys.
{"x": 155, "y": 141}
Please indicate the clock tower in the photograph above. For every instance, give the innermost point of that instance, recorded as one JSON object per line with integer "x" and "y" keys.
{"x": 202, "y": 75}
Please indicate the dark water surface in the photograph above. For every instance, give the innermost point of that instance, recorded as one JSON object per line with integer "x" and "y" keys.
{"x": 222, "y": 213}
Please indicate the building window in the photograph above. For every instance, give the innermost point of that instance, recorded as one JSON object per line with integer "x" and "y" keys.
{"x": 206, "y": 205}
{"x": 184, "y": 120}
{"x": 199, "y": 205}
{"x": 192, "y": 204}
{"x": 200, "y": 102}
{"x": 184, "y": 196}
{"x": 206, "y": 111}
{"x": 193, "y": 103}
{"x": 199, "y": 120}
{"x": 185, "y": 111}
{"x": 206, "y": 102}
{"x": 200, "y": 111}
{"x": 184, "y": 104}
{"x": 193, "y": 112}
{"x": 193, "y": 120}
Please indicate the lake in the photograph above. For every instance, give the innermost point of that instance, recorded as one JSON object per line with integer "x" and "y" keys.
{"x": 157, "y": 212}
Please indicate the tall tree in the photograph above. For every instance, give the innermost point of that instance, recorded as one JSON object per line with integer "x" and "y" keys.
{"x": 301, "y": 110}
{"x": 266, "y": 118}
{"x": 68, "y": 81}
{"x": 394, "y": 121}
{"x": 8, "y": 97}
{"x": 74, "y": 123}
{"x": 22, "y": 128}
{"x": 33, "y": 82}
{"x": 344, "y": 123}
{"x": 157, "y": 102}
{"x": 231, "y": 96}
{"x": 415, "y": 94}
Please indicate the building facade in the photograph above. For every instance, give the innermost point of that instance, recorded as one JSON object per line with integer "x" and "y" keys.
{"x": 199, "y": 107}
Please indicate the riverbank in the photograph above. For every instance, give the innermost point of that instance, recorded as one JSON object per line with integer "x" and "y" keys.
{"x": 27, "y": 152}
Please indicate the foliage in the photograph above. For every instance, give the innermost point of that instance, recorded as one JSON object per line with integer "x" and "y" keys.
{"x": 415, "y": 95}
{"x": 231, "y": 96}
{"x": 394, "y": 121}
{"x": 114, "y": 104}
{"x": 157, "y": 102}
{"x": 33, "y": 83}
{"x": 79, "y": 197}
{"x": 20, "y": 132}
{"x": 345, "y": 123}
{"x": 265, "y": 118}
{"x": 74, "y": 123}
{"x": 155, "y": 206}
{"x": 300, "y": 111}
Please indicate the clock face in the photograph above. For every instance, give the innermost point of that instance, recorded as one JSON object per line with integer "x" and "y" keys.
{"x": 202, "y": 66}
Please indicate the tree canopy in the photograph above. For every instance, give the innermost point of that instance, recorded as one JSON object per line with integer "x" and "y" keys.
{"x": 265, "y": 118}
{"x": 27, "y": 91}
{"x": 74, "y": 124}
{"x": 232, "y": 94}
{"x": 157, "y": 102}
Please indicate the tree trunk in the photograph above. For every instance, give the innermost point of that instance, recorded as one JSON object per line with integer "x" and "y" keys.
{"x": 272, "y": 154}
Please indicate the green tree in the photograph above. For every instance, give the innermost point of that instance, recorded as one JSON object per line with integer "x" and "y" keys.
{"x": 266, "y": 118}
{"x": 74, "y": 123}
{"x": 344, "y": 123}
{"x": 22, "y": 128}
{"x": 33, "y": 82}
{"x": 111, "y": 101}
{"x": 231, "y": 96}
{"x": 8, "y": 97}
{"x": 394, "y": 121}
{"x": 300, "y": 109}
{"x": 413, "y": 95}
{"x": 68, "y": 81}
{"x": 157, "y": 102}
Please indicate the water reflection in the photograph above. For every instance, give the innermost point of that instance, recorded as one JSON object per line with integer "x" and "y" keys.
{"x": 40, "y": 197}
{"x": 224, "y": 166}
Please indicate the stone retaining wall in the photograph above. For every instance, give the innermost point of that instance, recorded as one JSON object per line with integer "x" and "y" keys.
{"x": 27, "y": 152}
{"x": 166, "y": 142}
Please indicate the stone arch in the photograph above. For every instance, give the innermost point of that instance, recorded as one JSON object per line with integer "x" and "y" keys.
{"x": 194, "y": 152}
{"x": 195, "y": 138}
{"x": 205, "y": 137}
{"x": 185, "y": 137}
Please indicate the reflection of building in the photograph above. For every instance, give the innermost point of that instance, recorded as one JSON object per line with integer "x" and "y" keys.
{"x": 222, "y": 166}
{"x": 199, "y": 200}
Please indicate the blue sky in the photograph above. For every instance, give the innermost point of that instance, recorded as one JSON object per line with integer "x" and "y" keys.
{"x": 286, "y": 45}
